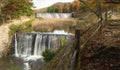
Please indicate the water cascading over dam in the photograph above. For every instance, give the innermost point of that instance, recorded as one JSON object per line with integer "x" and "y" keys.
{"x": 29, "y": 46}
{"x": 54, "y": 15}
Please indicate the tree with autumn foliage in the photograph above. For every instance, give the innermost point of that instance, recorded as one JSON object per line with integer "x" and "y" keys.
{"x": 65, "y": 7}
{"x": 60, "y": 7}
{"x": 98, "y": 7}
{"x": 76, "y": 5}
{"x": 94, "y": 6}
{"x": 17, "y": 8}
{"x": 2, "y": 3}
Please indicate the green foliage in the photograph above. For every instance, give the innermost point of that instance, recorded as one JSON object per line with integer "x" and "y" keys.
{"x": 63, "y": 41}
{"x": 14, "y": 28}
{"x": 48, "y": 55}
{"x": 49, "y": 9}
{"x": 55, "y": 9}
{"x": 83, "y": 8}
{"x": 27, "y": 26}
{"x": 13, "y": 66}
{"x": 52, "y": 9}
{"x": 24, "y": 27}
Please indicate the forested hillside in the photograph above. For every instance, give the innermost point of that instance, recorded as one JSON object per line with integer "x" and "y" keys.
{"x": 62, "y": 7}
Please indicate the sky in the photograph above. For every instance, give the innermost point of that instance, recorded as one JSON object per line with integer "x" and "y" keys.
{"x": 45, "y": 3}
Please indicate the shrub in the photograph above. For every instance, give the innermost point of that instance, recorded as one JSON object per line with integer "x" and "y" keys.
{"x": 52, "y": 9}
{"x": 13, "y": 66}
{"x": 63, "y": 41}
{"x": 14, "y": 28}
{"x": 25, "y": 27}
{"x": 48, "y": 55}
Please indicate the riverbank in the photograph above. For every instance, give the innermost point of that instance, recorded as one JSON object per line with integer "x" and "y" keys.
{"x": 4, "y": 34}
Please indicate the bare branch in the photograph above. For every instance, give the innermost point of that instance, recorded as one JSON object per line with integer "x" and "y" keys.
{"x": 89, "y": 8}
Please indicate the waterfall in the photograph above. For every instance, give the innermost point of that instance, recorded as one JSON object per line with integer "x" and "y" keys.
{"x": 33, "y": 44}
{"x": 54, "y": 15}
{"x": 16, "y": 52}
{"x": 27, "y": 67}
{"x": 39, "y": 44}
{"x": 23, "y": 45}
{"x": 29, "y": 46}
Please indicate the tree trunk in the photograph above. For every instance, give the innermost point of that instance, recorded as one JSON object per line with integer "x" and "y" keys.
{"x": 106, "y": 14}
{"x": 77, "y": 48}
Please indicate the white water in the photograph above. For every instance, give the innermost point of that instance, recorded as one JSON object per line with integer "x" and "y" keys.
{"x": 39, "y": 45}
{"x": 54, "y": 15}
{"x": 16, "y": 52}
{"x": 29, "y": 46}
{"x": 60, "y": 32}
{"x": 27, "y": 67}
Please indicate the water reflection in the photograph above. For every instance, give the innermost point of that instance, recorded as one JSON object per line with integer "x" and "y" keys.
{"x": 13, "y": 63}
{"x": 29, "y": 64}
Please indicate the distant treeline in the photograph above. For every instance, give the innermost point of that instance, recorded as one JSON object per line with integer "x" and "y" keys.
{"x": 65, "y": 7}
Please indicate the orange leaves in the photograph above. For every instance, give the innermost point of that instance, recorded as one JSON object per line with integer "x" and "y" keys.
{"x": 16, "y": 8}
{"x": 76, "y": 5}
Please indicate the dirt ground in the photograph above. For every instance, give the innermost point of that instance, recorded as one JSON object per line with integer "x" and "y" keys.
{"x": 103, "y": 51}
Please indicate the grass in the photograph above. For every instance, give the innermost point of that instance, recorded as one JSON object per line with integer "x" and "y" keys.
{"x": 13, "y": 66}
{"x": 14, "y": 28}
{"x": 49, "y": 25}
{"x": 24, "y": 27}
